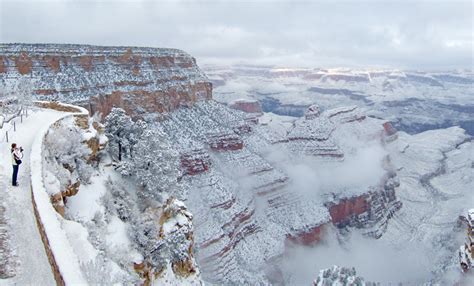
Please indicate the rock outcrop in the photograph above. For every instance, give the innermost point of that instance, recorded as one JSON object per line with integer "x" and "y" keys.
{"x": 225, "y": 142}
{"x": 369, "y": 211}
{"x": 99, "y": 78}
{"x": 466, "y": 251}
{"x": 340, "y": 276}
{"x": 312, "y": 112}
{"x": 170, "y": 259}
{"x": 246, "y": 105}
{"x": 308, "y": 237}
{"x": 195, "y": 162}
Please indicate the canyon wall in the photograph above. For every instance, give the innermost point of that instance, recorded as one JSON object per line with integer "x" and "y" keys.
{"x": 245, "y": 204}
{"x": 247, "y": 207}
{"x": 136, "y": 79}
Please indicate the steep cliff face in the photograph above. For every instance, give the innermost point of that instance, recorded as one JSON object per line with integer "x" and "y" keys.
{"x": 370, "y": 211}
{"x": 136, "y": 79}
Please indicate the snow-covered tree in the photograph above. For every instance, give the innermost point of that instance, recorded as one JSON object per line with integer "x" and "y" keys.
{"x": 118, "y": 125}
{"x": 155, "y": 165}
{"x": 122, "y": 132}
{"x": 24, "y": 92}
{"x": 15, "y": 97}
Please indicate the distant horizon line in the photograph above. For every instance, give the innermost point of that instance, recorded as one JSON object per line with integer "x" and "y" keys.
{"x": 205, "y": 61}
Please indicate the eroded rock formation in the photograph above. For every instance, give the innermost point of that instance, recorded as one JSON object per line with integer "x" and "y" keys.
{"x": 135, "y": 79}
{"x": 170, "y": 256}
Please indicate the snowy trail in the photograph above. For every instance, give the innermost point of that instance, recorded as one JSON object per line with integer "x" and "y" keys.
{"x": 32, "y": 263}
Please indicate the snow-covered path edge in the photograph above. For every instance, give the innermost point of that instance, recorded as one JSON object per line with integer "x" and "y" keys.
{"x": 63, "y": 260}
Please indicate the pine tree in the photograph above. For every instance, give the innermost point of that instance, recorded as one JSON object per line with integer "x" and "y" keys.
{"x": 155, "y": 164}
{"x": 122, "y": 132}
{"x": 118, "y": 126}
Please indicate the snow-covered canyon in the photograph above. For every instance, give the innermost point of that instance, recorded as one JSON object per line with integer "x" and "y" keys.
{"x": 177, "y": 188}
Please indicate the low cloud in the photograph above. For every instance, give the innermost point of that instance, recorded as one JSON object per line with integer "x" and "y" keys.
{"x": 311, "y": 177}
{"x": 374, "y": 260}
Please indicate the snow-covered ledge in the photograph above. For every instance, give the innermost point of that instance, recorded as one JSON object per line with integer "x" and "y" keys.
{"x": 63, "y": 260}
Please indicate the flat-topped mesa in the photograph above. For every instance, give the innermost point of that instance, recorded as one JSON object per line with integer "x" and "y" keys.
{"x": 136, "y": 79}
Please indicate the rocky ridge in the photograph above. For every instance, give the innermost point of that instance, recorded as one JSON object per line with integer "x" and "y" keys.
{"x": 98, "y": 78}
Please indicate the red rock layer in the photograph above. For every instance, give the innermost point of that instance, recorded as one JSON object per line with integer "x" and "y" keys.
{"x": 226, "y": 142}
{"x": 347, "y": 208}
{"x": 195, "y": 162}
{"x": 249, "y": 106}
{"x": 309, "y": 237}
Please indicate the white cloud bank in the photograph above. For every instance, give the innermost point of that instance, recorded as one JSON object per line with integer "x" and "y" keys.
{"x": 405, "y": 34}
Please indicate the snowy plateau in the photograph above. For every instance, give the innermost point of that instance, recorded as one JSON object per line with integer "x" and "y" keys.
{"x": 151, "y": 170}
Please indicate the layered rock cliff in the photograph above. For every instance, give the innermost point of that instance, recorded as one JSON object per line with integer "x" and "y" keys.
{"x": 98, "y": 78}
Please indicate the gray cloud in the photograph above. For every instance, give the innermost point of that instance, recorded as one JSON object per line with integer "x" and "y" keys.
{"x": 404, "y": 34}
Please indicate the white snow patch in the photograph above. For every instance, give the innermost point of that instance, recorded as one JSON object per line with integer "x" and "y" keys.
{"x": 78, "y": 236}
{"x": 117, "y": 234}
{"x": 86, "y": 203}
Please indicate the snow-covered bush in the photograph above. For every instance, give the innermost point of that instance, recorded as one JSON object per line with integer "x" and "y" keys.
{"x": 97, "y": 272}
{"x": 147, "y": 237}
{"x": 101, "y": 272}
{"x": 118, "y": 201}
{"x": 66, "y": 155}
{"x": 17, "y": 97}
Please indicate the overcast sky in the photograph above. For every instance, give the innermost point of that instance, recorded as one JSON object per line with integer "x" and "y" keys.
{"x": 402, "y": 34}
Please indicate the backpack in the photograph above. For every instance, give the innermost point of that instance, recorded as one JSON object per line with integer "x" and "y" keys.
{"x": 17, "y": 160}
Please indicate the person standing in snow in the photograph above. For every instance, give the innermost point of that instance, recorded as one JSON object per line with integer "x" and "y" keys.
{"x": 17, "y": 155}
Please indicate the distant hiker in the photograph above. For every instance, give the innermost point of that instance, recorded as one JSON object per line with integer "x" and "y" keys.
{"x": 17, "y": 155}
